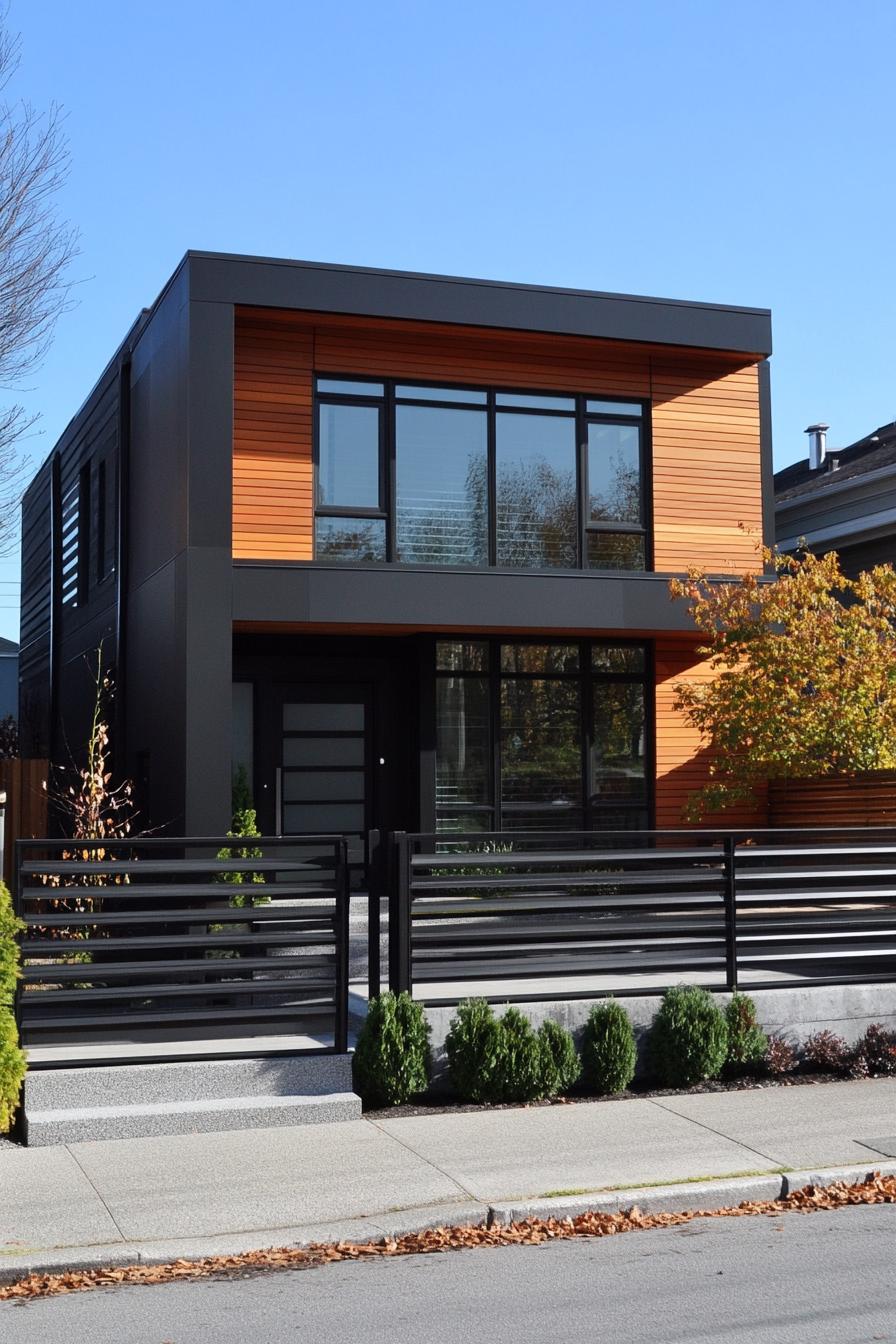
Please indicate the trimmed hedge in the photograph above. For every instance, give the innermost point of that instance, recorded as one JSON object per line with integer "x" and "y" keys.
{"x": 609, "y": 1053}
{"x": 13, "y": 1065}
{"x": 747, "y": 1042}
{"x": 505, "y": 1060}
{"x": 689, "y": 1037}
{"x": 391, "y": 1062}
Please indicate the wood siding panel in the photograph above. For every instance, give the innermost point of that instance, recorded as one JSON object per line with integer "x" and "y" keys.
{"x": 25, "y": 784}
{"x": 834, "y": 800}
{"x": 682, "y": 762}
{"x": 707, "y": 484}
{"x": 272, "y": 475}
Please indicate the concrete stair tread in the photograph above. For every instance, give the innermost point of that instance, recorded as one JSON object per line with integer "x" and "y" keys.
{"x": 200, "y": 1107}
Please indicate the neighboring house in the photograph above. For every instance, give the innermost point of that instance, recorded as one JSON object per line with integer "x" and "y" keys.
{"x": 9, "y": 679}
{"x": 841, "y": 499}
{"x": 397, "y": 543}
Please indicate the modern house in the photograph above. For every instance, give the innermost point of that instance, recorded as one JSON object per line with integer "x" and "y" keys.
{"x": 841, "y": 499}
{"x": 399, "y": 544}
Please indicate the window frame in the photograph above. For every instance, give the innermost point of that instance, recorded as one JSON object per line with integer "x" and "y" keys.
{"x": 588, "y": 678}
{"x": 386, "y": 402}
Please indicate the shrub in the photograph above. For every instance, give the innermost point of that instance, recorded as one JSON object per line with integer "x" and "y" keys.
{"x": 608, "y": 1048}
{"x": 391, "y": 1060}
{"x": 780, "y": 1055}
{"x": 520, "y": 1074}
{"x": 12, "y": 1057}
{"x": 875, "y": 1054}
{"x": 827, "y": 1052}
{"x": 560, "y": 1064}
{"x": 474, "y": 1045}
{"x": 746, "y": 1040}
{"x": 689, "y": 1037}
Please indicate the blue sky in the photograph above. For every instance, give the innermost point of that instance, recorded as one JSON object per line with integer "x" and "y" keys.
{"x": 696, "y": 150}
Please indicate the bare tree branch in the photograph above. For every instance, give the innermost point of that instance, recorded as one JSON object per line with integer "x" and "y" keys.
{"x": 36, "y": 249}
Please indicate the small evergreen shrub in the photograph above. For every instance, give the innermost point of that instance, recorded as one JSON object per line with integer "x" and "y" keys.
{"x": 12, "y": 1056}
{"x": 689, "y": 1037}
{"x": 747, "y": 1041}
{"x": 827, "y": 1051}
{"x": 875, "y": 1054}
{"x": 560, "y": 1065}
{"x": 391, "y": 1060}
{"x": 243, "y": 825}
{"x": 474, "y": 1045}
{"x": 780, "y": 1055}
{"x": 609, "y": 1054}
{"x": 520, "y": 1074}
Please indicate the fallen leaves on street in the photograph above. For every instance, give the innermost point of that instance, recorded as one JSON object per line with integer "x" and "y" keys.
{"x": 529, "y": 1232}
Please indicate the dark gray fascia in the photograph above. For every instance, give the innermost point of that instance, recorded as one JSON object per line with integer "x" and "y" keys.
{"x": 318, "y": 287}
{"x": 427, "y": 599}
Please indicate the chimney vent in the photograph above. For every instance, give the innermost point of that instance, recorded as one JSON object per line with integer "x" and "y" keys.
{"x": 817, "y": 445}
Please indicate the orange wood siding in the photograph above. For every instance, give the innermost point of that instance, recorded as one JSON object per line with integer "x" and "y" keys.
{"x": 682, "y": 762}
{"x": 706, "y": 466}
{"x": 705, "y": 420}
{"x": 272, "y": 476}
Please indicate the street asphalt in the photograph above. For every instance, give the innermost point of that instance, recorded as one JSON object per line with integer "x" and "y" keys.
{"x": 821, "y": 1278}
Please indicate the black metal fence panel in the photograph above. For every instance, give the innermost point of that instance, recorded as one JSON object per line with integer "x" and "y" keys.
{"x": 528, "y": 916}
{"x": 170, "y": 947}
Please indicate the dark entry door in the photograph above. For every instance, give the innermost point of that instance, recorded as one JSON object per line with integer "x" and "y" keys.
{"x": 325, "y": 776}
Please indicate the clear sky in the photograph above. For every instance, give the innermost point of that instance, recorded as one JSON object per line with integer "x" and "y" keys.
{"x": 693, "y": 149}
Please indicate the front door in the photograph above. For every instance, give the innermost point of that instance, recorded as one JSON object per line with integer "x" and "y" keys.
{"x": 325, "y": 780}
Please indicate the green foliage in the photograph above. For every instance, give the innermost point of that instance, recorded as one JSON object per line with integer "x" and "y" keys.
{"x": 747, "y": 1042}
{"x": 609, "y": 1053}
{"x": 689, "y": 1037}
{"x": 560, "y": 1064}
{"x": 244, "y": 825}
{"x": 520, "y": 1075}
{"x": 506, "y": 1060}
{"x": 391, "y": 1061}
{"x": 474, "y": 1045}
{"x": 803, "y": 675}
{"x": 12, "y": 1057}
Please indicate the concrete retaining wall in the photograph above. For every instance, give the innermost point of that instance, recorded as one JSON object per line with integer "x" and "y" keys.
{"x": 847, "y": 1010}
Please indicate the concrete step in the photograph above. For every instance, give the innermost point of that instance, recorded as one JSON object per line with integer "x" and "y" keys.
{"x": 91, "y": 1123}
{"x": 196, "y": 1080}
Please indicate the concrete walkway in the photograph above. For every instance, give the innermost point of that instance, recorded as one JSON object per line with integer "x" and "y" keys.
{"x": 198, "y": 1194}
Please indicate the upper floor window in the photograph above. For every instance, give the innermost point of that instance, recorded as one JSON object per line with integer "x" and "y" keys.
{"x": 458, "y": 476}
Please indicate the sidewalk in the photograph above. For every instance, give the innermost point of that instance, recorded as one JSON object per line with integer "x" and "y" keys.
{"x": 161, "y": 1199}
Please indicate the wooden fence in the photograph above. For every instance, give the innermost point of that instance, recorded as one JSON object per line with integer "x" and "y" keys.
{"x": 834, "y": 800}
{"x": 26, "y": 806}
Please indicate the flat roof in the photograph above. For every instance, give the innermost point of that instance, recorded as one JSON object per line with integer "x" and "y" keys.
{"x": 273, "y": 282}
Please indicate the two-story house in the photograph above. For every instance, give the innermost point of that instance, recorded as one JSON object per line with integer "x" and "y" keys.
{"x": 399, "y": 544}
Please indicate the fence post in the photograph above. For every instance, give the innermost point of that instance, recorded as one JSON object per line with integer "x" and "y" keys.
{"x": 730, "y": 893}
{"x": 400, "y": 916}
{"x": 376, "y": 852}
{"x": 340, "y": 1026}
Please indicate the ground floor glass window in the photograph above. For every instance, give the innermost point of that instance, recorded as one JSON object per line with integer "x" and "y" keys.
{"x": 541, "y": 736}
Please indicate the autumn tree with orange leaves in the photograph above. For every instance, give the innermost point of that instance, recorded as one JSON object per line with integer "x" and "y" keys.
{"x": 803, "y": 664}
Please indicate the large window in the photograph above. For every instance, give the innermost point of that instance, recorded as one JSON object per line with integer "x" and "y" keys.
{"x": 464, "y": 476}
{"x": 540, "y": 736}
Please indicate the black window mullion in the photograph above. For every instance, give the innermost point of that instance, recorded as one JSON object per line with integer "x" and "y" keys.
{"x": 387, "y": 457}
{"x": 582, "y": 469}
{"x": 492, "y": 488}
{"x": 586, "y": 702}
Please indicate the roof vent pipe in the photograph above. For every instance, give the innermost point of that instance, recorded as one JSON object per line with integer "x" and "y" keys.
{"x": 817, "y": 445}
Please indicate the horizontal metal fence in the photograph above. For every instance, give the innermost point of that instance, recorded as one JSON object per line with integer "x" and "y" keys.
{"x": 161, "y": 947}
{"x": 518, "y": 916}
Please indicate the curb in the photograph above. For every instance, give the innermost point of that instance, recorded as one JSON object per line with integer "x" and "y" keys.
{"x": 708, "y": 1195}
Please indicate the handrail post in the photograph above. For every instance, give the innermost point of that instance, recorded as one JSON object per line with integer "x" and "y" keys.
{"x": 400, "y": 917}
{"x": 340, "y": 1026}
{"x": 730, "y": 895}
{"x": 376, "y": 852}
